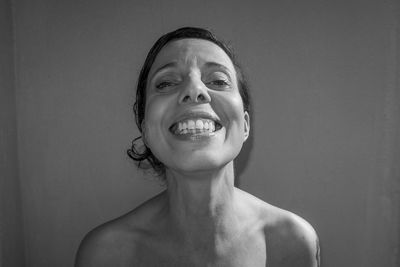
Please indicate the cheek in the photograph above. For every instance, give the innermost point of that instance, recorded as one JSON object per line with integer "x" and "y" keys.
{"x": 230, "y": 107}
{"x": 156, "y": 108}
{"x": 153, "y": 113}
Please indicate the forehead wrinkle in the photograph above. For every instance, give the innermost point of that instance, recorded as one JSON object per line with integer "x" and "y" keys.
{"x": 190, "y": 60}
{"x": 190, "y": 55}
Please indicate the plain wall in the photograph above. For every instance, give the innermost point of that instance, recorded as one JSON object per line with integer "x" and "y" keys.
{"x": 324, "y": 79}
{"x": 11, "y": 237}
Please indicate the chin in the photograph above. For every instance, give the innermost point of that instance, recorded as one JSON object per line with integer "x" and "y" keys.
{"x": 201, "y": 162}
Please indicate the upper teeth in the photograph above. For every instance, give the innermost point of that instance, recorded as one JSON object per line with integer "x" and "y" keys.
{"x": 195, "y": 125}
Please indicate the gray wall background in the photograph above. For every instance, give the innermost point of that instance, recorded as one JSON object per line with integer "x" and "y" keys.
{"x": 11, "y": 230}
{"x": 325, "y": 143}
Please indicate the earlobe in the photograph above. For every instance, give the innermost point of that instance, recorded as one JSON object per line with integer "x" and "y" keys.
{"x": 246, "y": 125}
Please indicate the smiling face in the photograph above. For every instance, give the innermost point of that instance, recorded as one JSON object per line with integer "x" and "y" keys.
{"x": 194, "y": 116}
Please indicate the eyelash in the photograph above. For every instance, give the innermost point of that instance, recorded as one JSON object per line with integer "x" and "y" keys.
{"x": 217, "y": 82}
{"x": 164, "y": 84}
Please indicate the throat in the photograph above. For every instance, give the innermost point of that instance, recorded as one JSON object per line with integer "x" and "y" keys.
{"x": 202, "y": 207}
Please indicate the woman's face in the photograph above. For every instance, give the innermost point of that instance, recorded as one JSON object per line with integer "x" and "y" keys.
{"x": 194, "y": 118}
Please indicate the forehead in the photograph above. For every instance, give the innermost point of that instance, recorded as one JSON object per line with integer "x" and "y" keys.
{"x": 192, "y": 51}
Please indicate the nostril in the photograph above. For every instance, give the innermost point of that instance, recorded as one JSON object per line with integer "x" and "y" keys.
{"x": 195, "y": 98}
{"x": 201, "y": 97}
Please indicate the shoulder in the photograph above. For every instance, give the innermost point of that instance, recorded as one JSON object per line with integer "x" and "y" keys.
{"x": 102, "y": 245}
{"x": 117, "y": 242}
{"x": 291, "y": 240}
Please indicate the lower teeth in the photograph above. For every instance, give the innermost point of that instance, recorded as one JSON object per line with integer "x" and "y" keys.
{"x": 193, "y": 131}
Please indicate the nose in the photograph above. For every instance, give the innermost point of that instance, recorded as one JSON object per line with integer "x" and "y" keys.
{"x": 194, "y": 91}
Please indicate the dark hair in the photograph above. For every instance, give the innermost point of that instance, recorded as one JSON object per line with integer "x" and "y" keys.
{"x": 145, "y": 154}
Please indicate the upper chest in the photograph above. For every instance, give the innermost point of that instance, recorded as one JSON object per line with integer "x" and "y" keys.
{"x": 246, "y": 250}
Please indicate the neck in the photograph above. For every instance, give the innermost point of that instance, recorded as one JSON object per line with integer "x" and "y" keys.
{"x": 202, "y": 203}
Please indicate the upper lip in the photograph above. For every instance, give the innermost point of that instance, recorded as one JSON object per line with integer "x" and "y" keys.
{"x": 196, "y": 115}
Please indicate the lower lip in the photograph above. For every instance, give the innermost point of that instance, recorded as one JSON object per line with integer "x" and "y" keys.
{"x": 195, "y": 136}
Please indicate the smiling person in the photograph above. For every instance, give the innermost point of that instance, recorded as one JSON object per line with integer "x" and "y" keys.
{"x": 192, "y": 108}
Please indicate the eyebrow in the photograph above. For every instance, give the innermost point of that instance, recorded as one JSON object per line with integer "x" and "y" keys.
{"x": 209, "y": 64}
{"x": 166, "y": 66}
{"x": 212, "y": 64}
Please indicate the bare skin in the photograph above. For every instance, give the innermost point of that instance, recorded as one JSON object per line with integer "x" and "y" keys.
{"x": 201, "y": 219}
{"x": 243, "y": 231}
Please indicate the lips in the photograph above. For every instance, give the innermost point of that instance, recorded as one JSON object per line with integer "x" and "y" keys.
{"x": 195, "y": 126}
{"x": 195, "y": 123}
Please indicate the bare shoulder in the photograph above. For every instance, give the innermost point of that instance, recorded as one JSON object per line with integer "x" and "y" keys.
{"x": 116, "y": 243}
{"x": 100, "y": 247}
{"x": 291, "y": 240}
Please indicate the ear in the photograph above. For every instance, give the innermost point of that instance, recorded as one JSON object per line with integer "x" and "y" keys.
{"x": 246, "y": 125}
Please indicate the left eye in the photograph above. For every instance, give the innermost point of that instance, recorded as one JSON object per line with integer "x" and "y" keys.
{"x": 219, "y": 83}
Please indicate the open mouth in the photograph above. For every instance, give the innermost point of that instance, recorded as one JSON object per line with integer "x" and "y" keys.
{"x": 195, "y": 126}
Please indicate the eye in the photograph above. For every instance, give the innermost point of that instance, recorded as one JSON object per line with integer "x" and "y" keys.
{"x": 219, "y": 83}
{"x": 165, "y": 84}
{"x": 218, "y": 80}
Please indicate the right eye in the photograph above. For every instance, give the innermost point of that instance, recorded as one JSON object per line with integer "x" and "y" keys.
{"x": 164, "y": 84}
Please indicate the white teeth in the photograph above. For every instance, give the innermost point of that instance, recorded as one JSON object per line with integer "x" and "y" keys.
{"x": 199, "y": 124}
{"x": 195, "y": 126}
{"x": 191, "y": 125}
